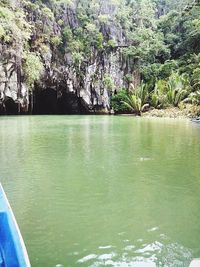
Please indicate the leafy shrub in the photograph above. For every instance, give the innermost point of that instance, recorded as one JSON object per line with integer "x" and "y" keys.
{"x": 103, "y": 18}
{"x": 177, "y": 87}
{"x": 117, "y": 102}
{"x": 111, "y": 43}
{"x": 77, "y": 58}
{"x": 171, "y": 91}
{"x": 137, "y": 100}
{"x": 158, "y": 96}
{"x": 33, "y": 68}
{"x": 108, "y": 82}
{"x": 193, "y": 98}
{"x": 56, "y": 40}
{"x": 159, "y": 71}
{"x": 2, "y": 32}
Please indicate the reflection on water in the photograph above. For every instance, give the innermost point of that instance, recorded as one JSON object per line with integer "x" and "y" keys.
{"x": 103, "y": 191}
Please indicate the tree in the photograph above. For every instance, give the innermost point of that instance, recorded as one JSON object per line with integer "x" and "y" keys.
{"x": 136, "y": 101}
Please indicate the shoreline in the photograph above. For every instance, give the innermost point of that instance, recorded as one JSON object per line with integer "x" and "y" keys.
{"x": 188, "y": 112}
{"x": 170, "y": 113}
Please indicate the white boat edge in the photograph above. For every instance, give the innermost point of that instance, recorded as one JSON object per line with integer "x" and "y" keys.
{"x": 195, "y": 263}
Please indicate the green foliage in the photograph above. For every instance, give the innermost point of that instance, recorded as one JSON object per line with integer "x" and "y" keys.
{"x": 167, "y": 69}
{"x": 2, "y": 32}
{"x": 64, "y": 2}
{"x": 193, "y": 38}
{"x": 33, "y": 68}
{"x": 103, "y": 18}
{"x": 158, "y": 96}
{"x": 13, "y": 26}
{"x": 108, "y": 82}
{"x": 56, "y": 40}
{"x": 171, "y": 91}
{"x": 137, "y": 101}
{"x": 67, "y": 34}
{"x": 191, "y": 66}
{"x": 99, "y": 40}
{"x": 91, "y": 28}
{"x": 166, "y": 92}
{"x": 176, "y": 89}
{"x": 154, "y": 41}
{"x": 117, "y": 101}
{"x": 77, "y": 58}
{"x": 193, "y": 98}
{"x": 111, "y": 43}
{"x": 47, "y": 12}
{"x": 158, "y": 71}
{"x": 129, "y": 77}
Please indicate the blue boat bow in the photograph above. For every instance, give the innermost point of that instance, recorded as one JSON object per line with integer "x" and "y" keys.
{"x": 12, "y": 248}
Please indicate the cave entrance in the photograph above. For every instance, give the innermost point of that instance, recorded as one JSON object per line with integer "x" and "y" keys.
{"x": 45, "y": 102}
{"x": 11, "y": 107}
{"x": 48, "y": 102}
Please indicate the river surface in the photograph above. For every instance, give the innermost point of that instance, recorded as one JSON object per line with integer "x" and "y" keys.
{"x": 103, "y": 191}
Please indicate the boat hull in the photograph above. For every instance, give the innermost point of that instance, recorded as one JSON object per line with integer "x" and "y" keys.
{"x": 12, "y": 249}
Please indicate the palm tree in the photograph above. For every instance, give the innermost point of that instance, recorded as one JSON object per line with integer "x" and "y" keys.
{"x": 158, "y": 96}
{"x": 136, "y": 101}
{"x": 193, "y": 98}
{"x": 177, "y": 86}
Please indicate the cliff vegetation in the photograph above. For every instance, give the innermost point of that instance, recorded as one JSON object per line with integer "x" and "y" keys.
{"x": 86, "y": 56}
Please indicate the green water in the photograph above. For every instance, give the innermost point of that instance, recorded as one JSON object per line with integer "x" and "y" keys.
{"x": 103, "y": 191}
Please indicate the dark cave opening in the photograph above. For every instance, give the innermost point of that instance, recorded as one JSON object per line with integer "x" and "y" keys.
{"x": 49, "y": 102}
{"x": 10, "y": 106}
{"x": 45, "y": 102}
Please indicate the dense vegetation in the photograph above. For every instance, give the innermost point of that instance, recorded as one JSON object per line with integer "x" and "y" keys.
{"x": 169, "y": 66}
{"x": 51, "y": 43}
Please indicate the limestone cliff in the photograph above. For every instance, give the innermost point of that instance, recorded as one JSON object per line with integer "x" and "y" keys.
{"x": 71, "y": 56}
{"x": 73, "y": 80}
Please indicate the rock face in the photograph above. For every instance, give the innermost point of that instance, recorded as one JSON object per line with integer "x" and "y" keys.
{"x": 66, "y": 87}
{"x": 94, "y": 91}
{"x": 13, "y": 95}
